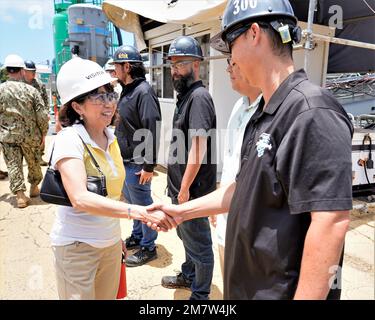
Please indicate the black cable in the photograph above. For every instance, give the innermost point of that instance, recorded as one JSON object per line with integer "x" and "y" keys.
{"x": 364, "y": 166}
{"x": 369, "y": 147}
{"x": 370, "y": 126}
{"x": 119, "y": 36}
{"x": 367, "y": 137}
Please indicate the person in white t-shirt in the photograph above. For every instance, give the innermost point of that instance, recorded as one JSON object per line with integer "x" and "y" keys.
{"x": 86, "y": 238}
{"x": 242, "y": 111}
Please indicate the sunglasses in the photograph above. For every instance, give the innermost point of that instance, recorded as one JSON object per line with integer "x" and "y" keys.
{"x": 102, "y": 98}
{"x": 231, "y": 36}
{"x": 97, "y": 98}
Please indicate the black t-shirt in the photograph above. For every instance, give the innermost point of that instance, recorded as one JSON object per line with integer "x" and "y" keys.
{"x": 296, "y": 159}
{"x": 194, "y": 116}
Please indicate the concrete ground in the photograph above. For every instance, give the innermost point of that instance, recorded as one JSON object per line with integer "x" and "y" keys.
{"x": 26, "y": 260}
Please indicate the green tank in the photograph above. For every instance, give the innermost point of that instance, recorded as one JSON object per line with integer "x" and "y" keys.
{"x": 60, "y": 34}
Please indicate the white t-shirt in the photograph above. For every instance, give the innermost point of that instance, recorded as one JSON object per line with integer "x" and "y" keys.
{"x": 118, "y": 89}
{"x": 71, "y": 225}
{"x": 237, "y": 123}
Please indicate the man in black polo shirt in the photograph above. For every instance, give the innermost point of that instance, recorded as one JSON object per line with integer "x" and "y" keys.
{"x": 192, "y": 164}
{"x": 289, "y": 208}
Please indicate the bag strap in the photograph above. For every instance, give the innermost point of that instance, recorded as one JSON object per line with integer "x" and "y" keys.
{"x": 89, "y": 152}
{"x": 91, "y": 156}
{"x": 50, "y": 158}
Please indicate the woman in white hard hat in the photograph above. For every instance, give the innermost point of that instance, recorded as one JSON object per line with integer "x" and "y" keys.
{"x": 86, "y": 238}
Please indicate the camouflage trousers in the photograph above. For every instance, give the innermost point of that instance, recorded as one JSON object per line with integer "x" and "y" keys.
{"x": 0, "y": 149}
{"x": 13, "y": 157}
{"x": 41, "y": 152}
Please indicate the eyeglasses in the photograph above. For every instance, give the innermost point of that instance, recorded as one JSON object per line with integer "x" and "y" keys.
{"x": 102, "y": 98}
{"x": 179, "y": 65}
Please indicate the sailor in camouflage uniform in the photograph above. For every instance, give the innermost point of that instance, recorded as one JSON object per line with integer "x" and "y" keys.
{"x": 23, "y": 124}
{"x": 29, "y": 73}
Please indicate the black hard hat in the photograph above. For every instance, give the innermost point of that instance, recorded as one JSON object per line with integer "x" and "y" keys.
{"x": 239, "y": 13}
{"x": 29, "y": 65}
{"x": 185, "y": 46}
{"x": 126, "y": 53}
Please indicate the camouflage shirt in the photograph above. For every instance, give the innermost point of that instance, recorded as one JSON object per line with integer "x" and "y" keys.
{"x": 38, "y": 85}
{"x": 23, "y": 116}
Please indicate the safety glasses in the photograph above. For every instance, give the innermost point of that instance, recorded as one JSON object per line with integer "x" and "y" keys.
{"x": 180, "y": 64}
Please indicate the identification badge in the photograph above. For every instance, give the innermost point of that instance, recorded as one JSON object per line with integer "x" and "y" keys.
{"x": 285, "y": 34}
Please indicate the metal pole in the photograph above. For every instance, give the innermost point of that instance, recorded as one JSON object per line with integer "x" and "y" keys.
{"x": 309, "y": 42}
{"x": 93, "y": 43}
{"x": 344, "y": 42}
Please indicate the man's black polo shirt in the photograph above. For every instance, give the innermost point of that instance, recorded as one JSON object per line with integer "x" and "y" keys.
{"x": 139, "y": 109}
{"x": 194, "y": 116}
{"x": 296, "y": 158}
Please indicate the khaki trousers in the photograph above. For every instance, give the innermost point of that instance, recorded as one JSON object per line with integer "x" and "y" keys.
{"x": 87, "y": 273}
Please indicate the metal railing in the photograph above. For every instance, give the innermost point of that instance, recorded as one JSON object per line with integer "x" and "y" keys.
{"x": 349, "y": 85}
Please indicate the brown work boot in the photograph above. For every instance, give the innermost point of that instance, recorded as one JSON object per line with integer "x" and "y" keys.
{"x": 34, "y": 191}
{"x": 22, "y": 200}
{"x": 3, "y": 174}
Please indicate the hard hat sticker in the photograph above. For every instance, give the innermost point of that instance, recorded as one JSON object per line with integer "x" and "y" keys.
{"x": 243, "y": 5}
{"x": 285, "y": 34}
{"x": 95, "y": 74}
{"x": 123, "y": 55}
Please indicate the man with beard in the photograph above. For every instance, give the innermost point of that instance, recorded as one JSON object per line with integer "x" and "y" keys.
{"x": 191, "y": 164}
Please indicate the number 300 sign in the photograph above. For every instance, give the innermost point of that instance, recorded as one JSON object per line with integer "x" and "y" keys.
{"x": 243, "y": 5}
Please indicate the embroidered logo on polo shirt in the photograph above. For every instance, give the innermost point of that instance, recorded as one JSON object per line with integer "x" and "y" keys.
{"x": 263, "y": 144}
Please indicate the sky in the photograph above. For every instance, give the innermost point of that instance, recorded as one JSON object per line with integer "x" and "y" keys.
{"x": 26, "y": 29}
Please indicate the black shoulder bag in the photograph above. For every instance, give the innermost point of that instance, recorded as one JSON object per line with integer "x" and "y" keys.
{"x": 53, "y": 191}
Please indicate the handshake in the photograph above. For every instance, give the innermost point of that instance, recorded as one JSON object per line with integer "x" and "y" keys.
{"x": 161, "y": 217}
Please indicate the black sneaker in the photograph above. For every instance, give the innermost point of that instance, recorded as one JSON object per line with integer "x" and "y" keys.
{"x": 141, "y": 257}
{"x": 132, "y": 243}
{"x": 176, "y": 282}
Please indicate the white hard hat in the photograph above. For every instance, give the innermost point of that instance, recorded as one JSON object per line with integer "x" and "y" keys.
{"x": 14, "y": 61}
{"x": 109, "y": 66}
{"x": 79, "y": 76}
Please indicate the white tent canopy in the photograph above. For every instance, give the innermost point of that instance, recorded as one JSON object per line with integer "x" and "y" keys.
{"x": 181, "y": 12}
{"x": 125, "y": 13}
